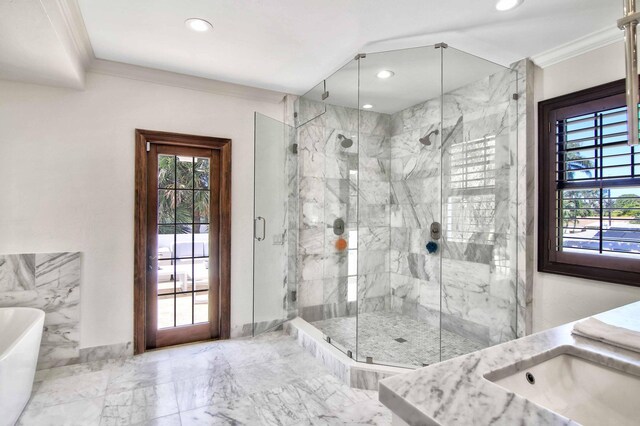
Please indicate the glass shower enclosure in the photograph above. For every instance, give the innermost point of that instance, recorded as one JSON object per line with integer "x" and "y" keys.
{"x": 398, "y": 207}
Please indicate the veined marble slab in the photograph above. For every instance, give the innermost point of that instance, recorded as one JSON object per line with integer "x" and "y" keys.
{"x": 456, "y": 392}
{"x": 51, "y": 282}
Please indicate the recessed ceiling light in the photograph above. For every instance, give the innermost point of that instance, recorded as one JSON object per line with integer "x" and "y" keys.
{"x": 199, "y": 25}
{"x": 385, "y": 74}
{"x": 367, "y": 106}
{"x": 504, "y": 5}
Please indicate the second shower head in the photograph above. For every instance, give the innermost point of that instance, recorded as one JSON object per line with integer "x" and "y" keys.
{"x": 426, "y": 139}
{"x": 344, "y": 141}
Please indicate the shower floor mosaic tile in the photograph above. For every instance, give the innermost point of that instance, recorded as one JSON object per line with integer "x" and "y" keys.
{"x": 268, "y": 380}
{"x": 394, "y": 339}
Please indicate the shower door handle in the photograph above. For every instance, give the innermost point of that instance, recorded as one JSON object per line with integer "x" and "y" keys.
{"x": 264, "y": 228}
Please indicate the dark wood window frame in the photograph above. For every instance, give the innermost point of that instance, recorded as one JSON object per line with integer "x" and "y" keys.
{"x": 602, "y": 268}
{"x": 142, "y": 137}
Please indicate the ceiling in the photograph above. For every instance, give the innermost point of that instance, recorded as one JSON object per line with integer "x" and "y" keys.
{"x": 290, "y": 45}
{"x": 281, "y": 45}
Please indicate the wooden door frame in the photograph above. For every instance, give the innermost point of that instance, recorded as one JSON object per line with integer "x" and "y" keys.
{"x": 142, "y": 137}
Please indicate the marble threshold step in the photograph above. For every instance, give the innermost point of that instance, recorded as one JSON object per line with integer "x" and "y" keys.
{"x": 358, "y": 375}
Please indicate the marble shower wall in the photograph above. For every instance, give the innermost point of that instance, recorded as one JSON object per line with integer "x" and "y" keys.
{"x": 415, "y": 204}
{"x": 477, "y": 208}
{"x": 330, "y": 176}
{"x": 50, "y": 282}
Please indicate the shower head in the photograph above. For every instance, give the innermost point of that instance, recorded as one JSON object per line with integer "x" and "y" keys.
{"x": 426, "y": 140}
{"x": 344, "y": 141}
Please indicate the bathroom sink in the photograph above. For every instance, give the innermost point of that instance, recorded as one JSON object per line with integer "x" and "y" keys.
{"x": 585, "y": 391}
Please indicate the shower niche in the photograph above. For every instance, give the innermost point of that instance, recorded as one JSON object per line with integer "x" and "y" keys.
{"x": 414, "y": 154}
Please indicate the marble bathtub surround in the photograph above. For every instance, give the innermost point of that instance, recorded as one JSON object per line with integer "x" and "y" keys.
{"x": 268, "y": 380}
{"x": 467, "y": 396}
{"x": 51, "y": 282}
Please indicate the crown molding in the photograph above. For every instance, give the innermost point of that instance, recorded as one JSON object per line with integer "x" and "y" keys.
{"x": 184, "y": 81}
{"x": 67, "y": 17}
{"x": 579, "y": 46}
{"x": 76, "y": 29}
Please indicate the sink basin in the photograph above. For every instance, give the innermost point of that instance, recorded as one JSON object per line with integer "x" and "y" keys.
{"x": 577, "y": 388}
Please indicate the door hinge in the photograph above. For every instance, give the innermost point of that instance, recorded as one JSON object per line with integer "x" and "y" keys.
{"x": 515, "y": 97}
{"x": 148, "y": 146}
{"x": 325, "y": 95}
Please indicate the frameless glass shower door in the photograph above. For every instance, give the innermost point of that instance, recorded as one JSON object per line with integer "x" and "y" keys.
{"x": 275, "y": 224}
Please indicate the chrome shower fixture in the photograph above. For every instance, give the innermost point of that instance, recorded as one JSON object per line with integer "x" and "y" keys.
{"x": 426, "y": 140}
{"x": 344, "y": 141}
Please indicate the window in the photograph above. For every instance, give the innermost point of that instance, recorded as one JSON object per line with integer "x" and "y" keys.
{"x": 589, "y": 187}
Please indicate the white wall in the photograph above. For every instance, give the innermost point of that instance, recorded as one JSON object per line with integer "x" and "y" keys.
{"x": 558, "y": 299}
{"x": 67, "y": 173}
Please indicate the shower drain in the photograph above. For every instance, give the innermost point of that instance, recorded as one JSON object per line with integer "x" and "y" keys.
{"x": 400, "y": 340}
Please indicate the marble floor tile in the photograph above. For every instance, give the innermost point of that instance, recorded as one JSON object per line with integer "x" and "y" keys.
{"x": 139, "y": 405}
{"x": 85, "y": 412}
{"x": 370, "y": 412}
{"x": 135, "y": 373}
{"x": 267, "y": 380}
{"x": 208, "y": 389}
{"x": 376, "y": 334}
{"x": 236, "y": 412}
{"x": 198, "y": 363}
{"x": 172, "y": 420}
{"x": 69, "y": 389}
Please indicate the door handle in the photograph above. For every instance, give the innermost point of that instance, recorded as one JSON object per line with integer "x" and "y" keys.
{"x": 264, "y": 228}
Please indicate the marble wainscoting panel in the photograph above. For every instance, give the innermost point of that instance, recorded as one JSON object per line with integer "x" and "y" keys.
{"x": 50, "y": 282}
{"x": 17, "y": 272}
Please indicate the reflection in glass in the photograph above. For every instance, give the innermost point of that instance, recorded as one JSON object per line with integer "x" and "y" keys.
{"x": 201, "y": 173}
{"x": 184, "y": 166}
{"x": 166, "y": 171}
{"x": 184, "y": 309}
{"x": 201, "y": 307}
{"x": 165, "y": 311}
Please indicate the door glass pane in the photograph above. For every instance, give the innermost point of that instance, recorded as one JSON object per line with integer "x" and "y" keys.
{"x": 184, "y": 306}
{"x": 165, "y": 311}
{"x": 202, "y": 173}
{"x": 201, "y": 307}
{"x": 273, "y": 281}
{"x": 183, "y": 240}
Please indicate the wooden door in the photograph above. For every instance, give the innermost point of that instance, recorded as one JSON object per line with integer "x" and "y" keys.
{"x": 186, "y": 243}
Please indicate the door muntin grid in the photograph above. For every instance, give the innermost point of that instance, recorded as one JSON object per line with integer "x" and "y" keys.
{"x": 184, "y": 195}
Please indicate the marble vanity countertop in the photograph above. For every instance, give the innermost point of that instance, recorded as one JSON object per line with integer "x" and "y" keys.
{"x": 455, "y": 392}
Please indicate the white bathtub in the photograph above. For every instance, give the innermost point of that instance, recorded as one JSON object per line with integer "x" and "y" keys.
{"x": 20, "y": 334}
